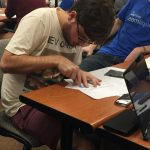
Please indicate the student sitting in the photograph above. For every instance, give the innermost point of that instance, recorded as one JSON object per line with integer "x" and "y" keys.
{"x": 48, "y": 42}
{"x": 132, "y": 30}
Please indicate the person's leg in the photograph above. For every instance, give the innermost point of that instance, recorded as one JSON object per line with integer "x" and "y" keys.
{"x": 93, "y": 62}
{"x": 45, "y": 128}
{"x": 82, "y": 142}
{"x": 99, "y": 61}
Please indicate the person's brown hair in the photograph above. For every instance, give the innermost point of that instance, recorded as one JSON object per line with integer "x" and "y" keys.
{"x": 96, "y": 17}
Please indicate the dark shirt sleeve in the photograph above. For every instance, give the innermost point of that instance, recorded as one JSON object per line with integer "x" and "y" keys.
{"x": 10, "y": 11}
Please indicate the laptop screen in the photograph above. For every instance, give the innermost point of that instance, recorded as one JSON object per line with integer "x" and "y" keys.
{"x": 138, "y": 83}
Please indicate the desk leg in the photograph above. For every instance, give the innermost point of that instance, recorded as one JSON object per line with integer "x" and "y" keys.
{"x": 67, "y": 135}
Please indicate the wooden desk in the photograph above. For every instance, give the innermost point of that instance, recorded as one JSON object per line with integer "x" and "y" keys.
{"x": 2, "y": 18}
{"x": 132, "y": 142}
{"x": 73, "y": 107}
{"x": 73, "y": 104}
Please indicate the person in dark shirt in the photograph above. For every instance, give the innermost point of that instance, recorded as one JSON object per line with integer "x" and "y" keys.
{"x": 22, "y": 7}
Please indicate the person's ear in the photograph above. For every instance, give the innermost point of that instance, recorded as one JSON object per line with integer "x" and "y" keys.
{"x": 72, "y": 16}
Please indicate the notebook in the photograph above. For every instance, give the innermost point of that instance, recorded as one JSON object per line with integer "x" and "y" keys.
{"x": 138, "y": 84}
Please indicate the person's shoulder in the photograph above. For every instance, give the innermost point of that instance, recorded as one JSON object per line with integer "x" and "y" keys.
{"x": 42, "y": 15}
{"x": 42, "y": 10}
{"x": 39, "y": 12}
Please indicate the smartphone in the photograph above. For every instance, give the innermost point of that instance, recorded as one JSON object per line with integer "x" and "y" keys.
{"x": 124, "y": 100}
{"x": 114, "y": 73}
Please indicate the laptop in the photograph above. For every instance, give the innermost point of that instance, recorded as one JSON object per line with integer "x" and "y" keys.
{"x": 138, "y": 84}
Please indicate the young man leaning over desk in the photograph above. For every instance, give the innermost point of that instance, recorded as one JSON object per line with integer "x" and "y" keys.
{"x": 132, "y": 29}
{"x": 48, "y": 41}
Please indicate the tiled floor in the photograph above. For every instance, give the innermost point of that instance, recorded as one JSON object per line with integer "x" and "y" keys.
{"x": 11, "y": 144}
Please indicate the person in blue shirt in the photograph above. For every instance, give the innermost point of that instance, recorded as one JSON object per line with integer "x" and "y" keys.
{"x": 132, "y": 28}
{"x": 66, "y": 4}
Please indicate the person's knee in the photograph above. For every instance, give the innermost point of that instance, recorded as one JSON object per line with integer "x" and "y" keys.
{"x": 91, "y": 63}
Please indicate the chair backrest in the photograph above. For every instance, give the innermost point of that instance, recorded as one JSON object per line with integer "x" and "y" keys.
{"x": 7, "y": 129}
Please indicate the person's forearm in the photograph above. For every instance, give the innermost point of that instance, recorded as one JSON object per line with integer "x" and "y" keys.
{"x": 116, "y": 27}
{"x": 136, "y": 51}
{"x": 26, "y": 64}
{"x": 145, "y": 49}
{"x": 93, "y": 46}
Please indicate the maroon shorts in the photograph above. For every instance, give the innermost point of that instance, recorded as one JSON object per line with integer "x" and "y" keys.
{"x": 45, "y": 128}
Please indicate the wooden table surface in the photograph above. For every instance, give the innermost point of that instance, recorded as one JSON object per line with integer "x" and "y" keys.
{"x": 74, "y": 107}
{"x": 73, "y": 104}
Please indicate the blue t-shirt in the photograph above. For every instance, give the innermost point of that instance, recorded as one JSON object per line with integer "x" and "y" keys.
{"x": 66, "y": 4}
{"x": 134, "y": 32}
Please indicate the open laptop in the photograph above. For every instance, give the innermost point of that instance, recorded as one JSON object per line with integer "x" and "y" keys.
{"x": 138, "y": 84}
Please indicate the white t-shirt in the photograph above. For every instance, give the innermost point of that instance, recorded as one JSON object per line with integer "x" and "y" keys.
{"x": 39, "y": 33}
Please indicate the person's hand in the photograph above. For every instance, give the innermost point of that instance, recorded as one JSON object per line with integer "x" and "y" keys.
{"x": 89, "y": 49}
{"x": 134, "y": 53}
{"x": 67, "y": 68}
{"x": 84, "y": 78}
{"x": 72, "y": 71}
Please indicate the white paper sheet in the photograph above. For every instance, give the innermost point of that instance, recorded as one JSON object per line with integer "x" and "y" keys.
{"x": 110, "y": 86}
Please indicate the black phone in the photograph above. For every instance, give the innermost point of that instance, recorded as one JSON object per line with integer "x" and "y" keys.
{"x": 124, "y": 100}
{"x": 114, "y": 73}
